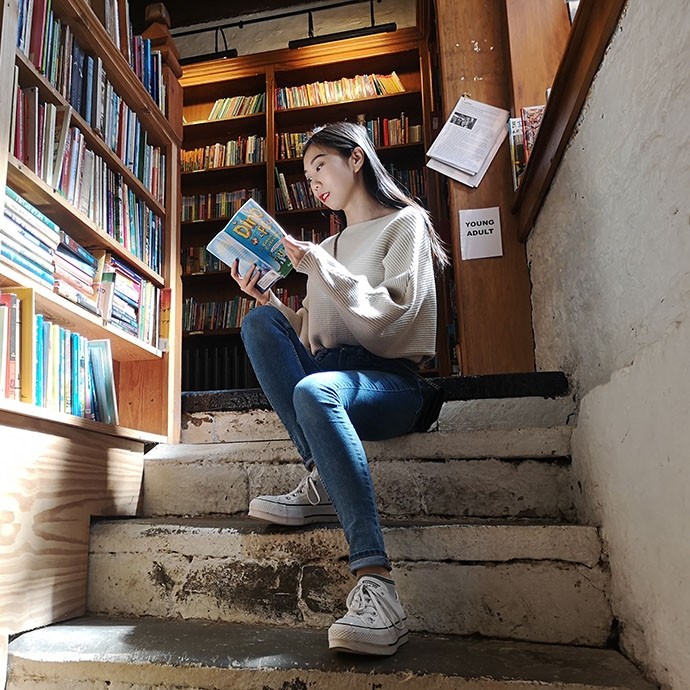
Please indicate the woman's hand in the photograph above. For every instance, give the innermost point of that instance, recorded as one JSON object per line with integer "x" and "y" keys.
{"x": 295, "y": 249}
{"x": 248, "y": 282}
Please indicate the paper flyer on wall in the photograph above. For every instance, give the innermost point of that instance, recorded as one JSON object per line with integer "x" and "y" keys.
{"x": 466, "y": 178}
{"x": 469, "y": 140}
{"x": 253, "y": 237}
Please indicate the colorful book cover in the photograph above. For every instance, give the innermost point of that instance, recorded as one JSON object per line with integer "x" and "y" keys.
{"x": 531, "y": 121}
{"x": 253, "y": 237}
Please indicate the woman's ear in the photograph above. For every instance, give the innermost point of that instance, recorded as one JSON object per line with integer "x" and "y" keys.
{"x": 357, "y": 158}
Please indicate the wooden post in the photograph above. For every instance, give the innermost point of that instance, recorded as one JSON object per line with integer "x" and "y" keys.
{"x": 492, "y": 295}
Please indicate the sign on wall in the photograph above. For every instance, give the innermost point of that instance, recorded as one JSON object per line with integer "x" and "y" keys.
{"x": 480, "y": 233}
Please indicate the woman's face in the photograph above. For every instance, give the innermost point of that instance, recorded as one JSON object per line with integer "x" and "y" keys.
{"x": 331, "y": 176}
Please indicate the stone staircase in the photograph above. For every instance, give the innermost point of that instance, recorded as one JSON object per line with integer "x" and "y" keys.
{"x": 504, "y": 590}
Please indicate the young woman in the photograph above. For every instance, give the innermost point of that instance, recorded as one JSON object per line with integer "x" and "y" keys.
{"x": 342, "y": 369}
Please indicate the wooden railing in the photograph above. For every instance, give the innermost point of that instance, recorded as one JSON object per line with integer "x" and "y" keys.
{"x": 594, "y": 24}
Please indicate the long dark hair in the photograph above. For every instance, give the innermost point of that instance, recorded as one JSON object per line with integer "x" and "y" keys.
{"x": 344, "y": 137}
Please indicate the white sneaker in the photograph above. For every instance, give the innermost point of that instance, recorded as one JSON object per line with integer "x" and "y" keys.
{"x": 375, "y": 622}
{"x": 308, "y": 503}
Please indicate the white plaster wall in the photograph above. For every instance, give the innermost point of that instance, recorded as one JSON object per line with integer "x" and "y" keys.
{"x": 275, "y": 34}
{"x": 632, "y": 450}
{"x": 610, "y": 268}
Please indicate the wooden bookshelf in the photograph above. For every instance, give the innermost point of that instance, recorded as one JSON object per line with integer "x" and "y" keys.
{"x": 405, "y": 52}
{"x": 136, "y": 362}
{"x": 61, "y": 469}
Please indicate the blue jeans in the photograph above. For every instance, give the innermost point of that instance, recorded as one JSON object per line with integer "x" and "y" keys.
{"x": 329, "y": 403}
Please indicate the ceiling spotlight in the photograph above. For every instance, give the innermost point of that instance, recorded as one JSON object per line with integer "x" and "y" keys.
{"x": 215, "y": 55}
{"x": 311, "y": 40}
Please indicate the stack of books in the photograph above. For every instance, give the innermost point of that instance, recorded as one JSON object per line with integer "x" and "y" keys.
{"x": 28, "y": 239}
{"x": 125, "y": 299}
{"x": 75, "y": 273}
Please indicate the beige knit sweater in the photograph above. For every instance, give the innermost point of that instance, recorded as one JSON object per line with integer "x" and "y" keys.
{"x": 379, "y": 293}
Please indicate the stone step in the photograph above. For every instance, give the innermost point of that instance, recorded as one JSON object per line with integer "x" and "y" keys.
{"x": 523, "y": 580}
{"x": 491, "y": 473}
{"x": 151, "y": 654}
{"x": 534, "y": 384}
{"x": 248, "y": 420}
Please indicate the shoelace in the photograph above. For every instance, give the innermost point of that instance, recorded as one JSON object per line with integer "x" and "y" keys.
{"x": 311, "y": 486}
{"x": 364, "y": 601}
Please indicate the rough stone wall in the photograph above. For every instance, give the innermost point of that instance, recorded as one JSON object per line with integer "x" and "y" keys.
{"x": 610, "y": 268}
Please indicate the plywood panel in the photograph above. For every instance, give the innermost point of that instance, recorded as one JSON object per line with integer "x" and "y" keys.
{"x": 52, "y": 484}
{"x": 492, "y": 295}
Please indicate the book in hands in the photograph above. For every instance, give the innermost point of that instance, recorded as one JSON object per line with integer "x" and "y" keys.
{"x": 253, "y": 237}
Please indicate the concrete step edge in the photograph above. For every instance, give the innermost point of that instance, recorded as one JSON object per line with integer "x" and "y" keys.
{"x": 509, "y": 444}
{"x": 158, "y": 654}
{"x": 455, "y": 417}
{"x": 448, "y": 541}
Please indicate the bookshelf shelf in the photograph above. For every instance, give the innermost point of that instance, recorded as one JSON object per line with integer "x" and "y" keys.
{"x": 211, "y": 173}
{"x": 374, "y": 106}
{"x": 125, "y": 347}
{"x": 214, "y": 332}
{"x": 86, "y": 232}
{"x": 24, "y": 411}
{"x": 214, "y": 128}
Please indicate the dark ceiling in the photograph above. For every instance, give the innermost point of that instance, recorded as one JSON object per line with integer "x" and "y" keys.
{"x": 186, "y": 13}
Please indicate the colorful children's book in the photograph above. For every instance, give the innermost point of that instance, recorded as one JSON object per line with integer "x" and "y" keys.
{"x": 253, "y": 237}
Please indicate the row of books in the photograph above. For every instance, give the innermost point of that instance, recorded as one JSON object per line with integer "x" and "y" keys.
{"x": 240, "y": 151}
{"x": 218, "y": 205}
{"x": 91, "y": 277}
{"x": 299, "y": 196}
{"x": 345, "y": 89}
{"x": 522, "y": 133}
{"x": 64, "y": 371}
{"x": 385, "y": 131}
{"x": 81, "y": 80}
{"x": 382, "y": 132}
{"x": 411, "y": 180}
{"x": 238, "y": 106}
{"x": 210, "y": 316}
{"x": 200, "y": 260}
{"x": 59, "y": 154}
{"x": 145, "y": 62}
{"x": 290, "y": 145}
{"x": 48, "y": 42}
{"x": 218, "y": 365}
{"x": 224, "y": 314}
{"x": 295, "y": 195}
